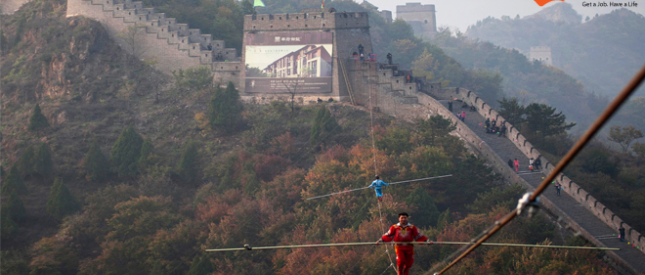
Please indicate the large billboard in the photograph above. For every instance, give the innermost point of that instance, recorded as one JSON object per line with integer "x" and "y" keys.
{"x": 288, "y": 62}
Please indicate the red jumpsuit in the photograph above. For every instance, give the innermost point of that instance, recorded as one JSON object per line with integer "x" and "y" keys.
{"x": 404, "y": 253}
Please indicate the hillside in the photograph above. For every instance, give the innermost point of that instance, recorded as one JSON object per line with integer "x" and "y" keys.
{"x": 182, "y": 172}
{"x": 603, "y": 52}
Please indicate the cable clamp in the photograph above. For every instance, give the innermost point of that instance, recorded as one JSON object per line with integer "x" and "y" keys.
{"x": 248, "y": 246}
{"x": 525, "y": 203}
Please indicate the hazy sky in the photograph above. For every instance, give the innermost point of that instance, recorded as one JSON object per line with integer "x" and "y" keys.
{"x": 462, "y": 13}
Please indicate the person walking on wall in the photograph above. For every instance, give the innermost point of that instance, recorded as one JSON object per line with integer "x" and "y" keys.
{"x": 463, "y": 116}
{"x": 530, "y": 162}
{"x": 378, "y": 184}
{"x": 404, "y": 232}
{"x": 558, "y": 187}
{"x": 621, "y": 232}
{"x": 360, "y": 49}
{"x": 389, "y": 58}
{"x": 510, "y": 163}
{"x": 516, "y": 163}
{"x": 538, "y": 164}
{"x": 487, "y": 124}
{"x": 450, "y": 106}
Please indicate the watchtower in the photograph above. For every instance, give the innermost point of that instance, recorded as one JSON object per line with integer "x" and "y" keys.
{"x": 421, "y": 17}
{"x": 287, "y": 54}
{"x": 542, "y": 54}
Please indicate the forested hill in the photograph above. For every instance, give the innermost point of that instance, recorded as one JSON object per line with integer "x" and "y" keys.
{"x": 112, "y": 168}
{"x": 602, "y": 52}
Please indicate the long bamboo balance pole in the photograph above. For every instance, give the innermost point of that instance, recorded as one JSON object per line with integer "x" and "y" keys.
{"x": 595, "y": 127}
{"x": 248, "y": 247}
{"x": 392, "y": 183}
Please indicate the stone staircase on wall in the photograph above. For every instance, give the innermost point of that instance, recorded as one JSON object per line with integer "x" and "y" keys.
{"x": 171, "y": 45}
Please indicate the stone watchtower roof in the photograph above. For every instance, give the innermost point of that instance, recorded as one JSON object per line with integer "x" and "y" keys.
{"x": 414, "y": 7}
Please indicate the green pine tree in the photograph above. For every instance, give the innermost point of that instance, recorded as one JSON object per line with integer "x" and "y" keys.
{"x": 126, "y": 152}
{"x": 225, "y": 109}
{"x": 252, "y": 183}
{"x": 427, "y": 213}
{"x": 247, "y": 7}
{"x": 96, "y": 165}
{"x": 37, "y": 121}
{"x": 323, "y": 122}
{"x": 43, "y": 164}
{"x": 157, "y": 268}
{"x": 13, "y": 182}
{"x": 26, "y": 161}
{"x": 7, "y": 225}
{"x": 444, "y": 219}
{"x": 61, "y": 202}
{"x": 146, "y": 150}
{"x": 15, "y": 208}
{"x": 200, "y": 266}
{"x": 189, "y": 163}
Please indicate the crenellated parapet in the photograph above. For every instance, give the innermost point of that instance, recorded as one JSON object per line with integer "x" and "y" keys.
{"x": 154, "y": 37}
{"x": 306, "y": 20}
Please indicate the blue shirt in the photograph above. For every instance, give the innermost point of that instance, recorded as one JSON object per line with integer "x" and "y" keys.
{"x": 378, "y": 184}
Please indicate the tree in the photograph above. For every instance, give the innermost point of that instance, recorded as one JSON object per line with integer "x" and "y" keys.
{"x": 193, "y": 78}
{"x": 15, "y": 208}
{"x": 247, "y": 7}
{"x": 13, "y": 182}
{"x": 126, "y": 152}
{"x": 43, "y": 164}
{"x": 132, "y": 43}
{"x": 323, "y": 122}
{"x": 188, "y": 166}
{"x": 225, "y": 109}
{"x": 7, "y": 225}
{"x": 431, "y": 131}
{"x": 146, "y": 151}
{"x": 444, "y": 219}
{"x": 26, "y": 161}
{"x": 543, "y": 121}
{"x": 61, "y": 202}
{"x": 639, "y": 149}
{"x": 37, "y": 121}
{"x": 200, "y": 266}
{"x": 624, "y": 136}
{"x": 427, "y": 213}
{"x": 96, "y": 165}
{"x": 512, "y": 111}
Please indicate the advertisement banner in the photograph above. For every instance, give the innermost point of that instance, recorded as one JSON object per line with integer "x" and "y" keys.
{"x": 288, "y": 62}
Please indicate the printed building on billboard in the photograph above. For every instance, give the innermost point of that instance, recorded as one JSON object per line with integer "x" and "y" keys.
{"x": 309, "y": 61}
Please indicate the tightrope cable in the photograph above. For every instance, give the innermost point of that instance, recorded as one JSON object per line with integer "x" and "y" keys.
{"x": 424, "y": 244}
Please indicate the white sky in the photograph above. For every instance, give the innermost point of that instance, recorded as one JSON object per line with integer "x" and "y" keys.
{"x": 462, "y": 13}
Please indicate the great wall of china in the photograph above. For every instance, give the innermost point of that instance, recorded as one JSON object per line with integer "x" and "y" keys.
{"x": 175, "y": 46}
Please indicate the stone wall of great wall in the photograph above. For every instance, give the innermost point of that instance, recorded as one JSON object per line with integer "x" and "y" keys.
{"x": 573, "y": 189}
{"x": 153, "y": 37}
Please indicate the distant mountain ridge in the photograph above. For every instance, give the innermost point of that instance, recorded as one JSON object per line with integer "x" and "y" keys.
{"x": 562, "y": 12}
{"x": 603, "y": 52}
